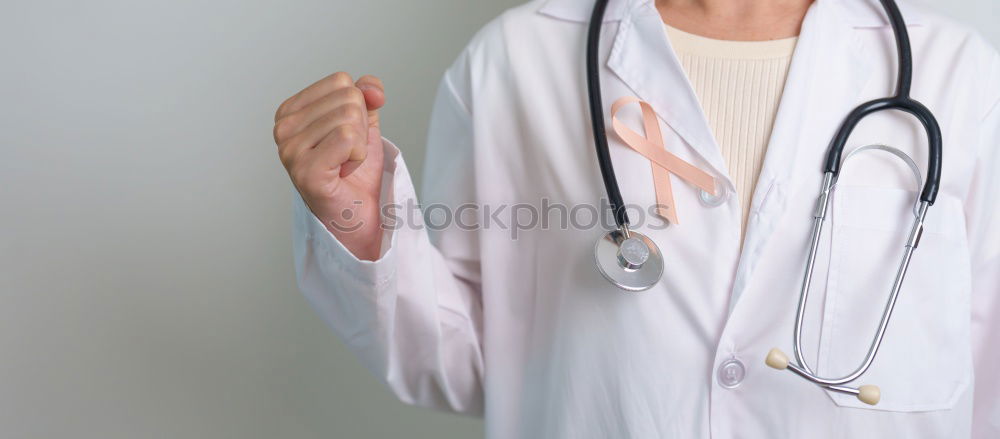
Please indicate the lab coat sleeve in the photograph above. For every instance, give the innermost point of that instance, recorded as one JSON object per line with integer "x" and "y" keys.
{"x": 983, "y": 225}
{"x": 413, "y": 316}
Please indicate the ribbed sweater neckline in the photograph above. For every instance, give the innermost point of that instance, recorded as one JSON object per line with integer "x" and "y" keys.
{"x": 688, "y": 43}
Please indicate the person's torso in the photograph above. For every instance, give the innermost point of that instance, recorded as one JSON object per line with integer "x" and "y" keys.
{"x": 569, "y": 355}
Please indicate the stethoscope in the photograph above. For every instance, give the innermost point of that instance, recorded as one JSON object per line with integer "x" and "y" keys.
{"x": 633, "y": 262}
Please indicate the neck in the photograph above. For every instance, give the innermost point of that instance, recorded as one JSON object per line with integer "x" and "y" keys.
{"x": 741, "y": 20}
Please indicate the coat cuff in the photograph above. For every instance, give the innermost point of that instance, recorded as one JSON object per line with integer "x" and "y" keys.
{"x": 396, "y": 188}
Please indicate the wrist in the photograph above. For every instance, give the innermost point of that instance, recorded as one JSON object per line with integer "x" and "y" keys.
{"x": 358, "y": 226}
{"x": 363, "y": 241}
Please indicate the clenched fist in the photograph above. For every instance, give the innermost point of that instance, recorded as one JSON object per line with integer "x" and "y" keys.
{"x": 329, "y": 142}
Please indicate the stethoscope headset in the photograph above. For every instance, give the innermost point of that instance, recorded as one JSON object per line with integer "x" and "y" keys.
{"x": 632, "y": 261}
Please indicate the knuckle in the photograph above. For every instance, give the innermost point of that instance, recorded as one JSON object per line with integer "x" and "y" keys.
{"x": 346, "y": 133}
{"x": 353, "y": 113}
{"x": 285, "y": 127}
{"x": 283, "y": 109}
{"x": 355, "y": 95}
{"x": 342, "y": 79}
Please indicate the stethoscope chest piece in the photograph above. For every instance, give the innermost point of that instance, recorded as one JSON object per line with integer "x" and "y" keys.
{"x": 631, "y": 262}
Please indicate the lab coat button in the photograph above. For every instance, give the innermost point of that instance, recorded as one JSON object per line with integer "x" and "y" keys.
{"x": 731, "y": 373}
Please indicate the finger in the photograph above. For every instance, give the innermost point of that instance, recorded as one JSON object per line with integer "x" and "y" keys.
{"x": 316, "y": 165}
{"x": 314, "y": 175}
{"x": 373, "y": 155}
{"x": 342, "y": 146}
{"x": 350, "y": 116}
{"x": 298, "y": 121}
{"x": 348, "y": 167}
{"x": 374, "y": 91}
{"x": 316, "y": 90}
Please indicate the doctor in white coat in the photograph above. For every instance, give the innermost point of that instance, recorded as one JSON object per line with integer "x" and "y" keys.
{"x": 525, "y": 331}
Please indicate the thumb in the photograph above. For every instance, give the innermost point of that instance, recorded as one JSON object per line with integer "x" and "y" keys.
{"x": 374, "y": 93}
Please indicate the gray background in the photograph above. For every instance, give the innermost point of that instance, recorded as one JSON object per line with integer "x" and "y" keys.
{"x": 146, "y": 284}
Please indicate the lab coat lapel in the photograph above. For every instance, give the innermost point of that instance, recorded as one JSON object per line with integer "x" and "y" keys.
{"x": 643, "y": 59}
{"x": 827, "y": 75}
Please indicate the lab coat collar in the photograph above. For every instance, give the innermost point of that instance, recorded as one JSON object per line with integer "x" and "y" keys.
{"x": 859, "y": 13}
{"x": 642, "y": 57}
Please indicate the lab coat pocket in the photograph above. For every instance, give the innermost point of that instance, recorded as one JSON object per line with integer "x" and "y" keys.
{"x": 924, "y": 362}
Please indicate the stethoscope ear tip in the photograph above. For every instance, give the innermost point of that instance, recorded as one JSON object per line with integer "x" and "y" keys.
{"x": 776, "y": 359}
{"x": 869, "y": 394}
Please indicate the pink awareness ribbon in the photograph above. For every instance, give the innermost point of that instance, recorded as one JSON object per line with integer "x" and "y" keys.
{"x": 662, "y": 161}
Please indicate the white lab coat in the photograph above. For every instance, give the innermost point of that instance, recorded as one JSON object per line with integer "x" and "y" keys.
{"x": 526, "y": 331}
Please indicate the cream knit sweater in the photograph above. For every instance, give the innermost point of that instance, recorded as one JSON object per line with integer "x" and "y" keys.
{"x": 739, "y": 85}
